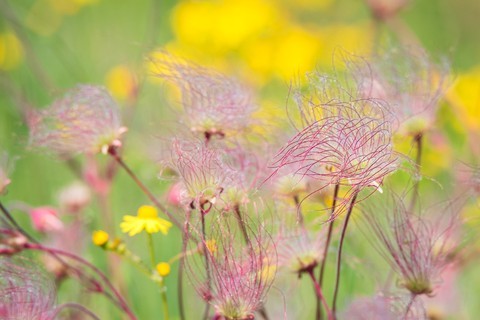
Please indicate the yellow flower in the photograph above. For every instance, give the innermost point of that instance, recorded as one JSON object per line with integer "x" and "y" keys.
{"x": 163, "y": 269}
{"x": 147, "y": 219}
{"x": 100, "y": 238}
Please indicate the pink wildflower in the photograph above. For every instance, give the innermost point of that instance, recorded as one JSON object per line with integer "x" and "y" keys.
{"x": 213, "y": 104}
{"x": 85, "y": 120}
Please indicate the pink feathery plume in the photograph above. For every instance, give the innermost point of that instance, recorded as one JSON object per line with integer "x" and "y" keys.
{"x": 349, "y": 144}
{"x": 235, "y": 268}
{"x": 85, "y": 120}
{"x": 4, "y": 172}
{"x": 25, "y": 291}
{"x": 418, "y": 247}
{"x": 213, "y": 104}
{"x": 409, "y": 81}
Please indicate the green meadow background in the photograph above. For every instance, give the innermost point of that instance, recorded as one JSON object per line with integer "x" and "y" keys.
{"x": 48, "y": 46}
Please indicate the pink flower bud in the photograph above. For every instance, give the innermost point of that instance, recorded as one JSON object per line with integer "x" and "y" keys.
{"x": 45, "y": 219}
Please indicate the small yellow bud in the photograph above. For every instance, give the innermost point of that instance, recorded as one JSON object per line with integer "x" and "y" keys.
{"x": 100, "y": 238}
{"x": 211, "y": 245}
{"x": 163, "y": 269}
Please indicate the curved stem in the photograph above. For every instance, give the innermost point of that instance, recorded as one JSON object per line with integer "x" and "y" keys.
{"x": 339, "y": 256}
{"x": 151, "y": 250}
{"x": 121, "y": 301}
{"x": 325, "y": 251}
{"x": 144, "y": 188}
{"x": 319, "y": 293}
{"x": 75, "y": 306}
{"x": 409, "y": 306}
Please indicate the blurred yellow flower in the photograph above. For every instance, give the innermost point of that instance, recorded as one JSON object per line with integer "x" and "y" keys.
{"x": 211, "y": 245}
{"x": 99, "y": 237}
{"x": 147, "y": 219}
{"x": 11, "y": 51}
{"x": 121, "y": 82}
{"x": 465, "y": 95}
{"x": 163, "y": 269}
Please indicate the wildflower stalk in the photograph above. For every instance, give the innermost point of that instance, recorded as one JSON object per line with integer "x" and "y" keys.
{"x": 327, "y": 244}
{"x": 418, "y": 139}
{"x": 14, "y": 223}
{"x": 339, "y": 256}
{"x": 151, "y": 250}
{"x": 112, "y": 151}
{"x": 409, "y": 306}
{"x": 319, "y": 293}
{"x": 241, "y": 222}
{"x": 181, "y": 266}
{"x": 207, "y": 264}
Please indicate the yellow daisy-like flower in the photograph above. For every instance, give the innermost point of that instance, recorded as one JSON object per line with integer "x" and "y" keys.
{"x": 147, "y": 219}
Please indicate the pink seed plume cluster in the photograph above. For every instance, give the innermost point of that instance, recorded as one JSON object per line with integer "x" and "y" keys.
{"x": 417, "y": 247}
{"x": 213, "y": 104}
{"x": 236, "y": 268}
{"x": 349, "y": 144}
{"x": 25, "y": 291}
{"x": 411, "y": 83}
{"x": 85, "y": 120}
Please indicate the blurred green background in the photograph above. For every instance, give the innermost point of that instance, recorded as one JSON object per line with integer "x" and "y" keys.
{"x": 47, "y": 46}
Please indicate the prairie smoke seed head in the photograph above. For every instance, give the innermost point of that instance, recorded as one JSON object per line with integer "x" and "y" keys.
{"x": 84, "y": 120}
{"x": 147, "y": 219}
{"x": 214, "y": 105}
{"x": 25, "y": 291}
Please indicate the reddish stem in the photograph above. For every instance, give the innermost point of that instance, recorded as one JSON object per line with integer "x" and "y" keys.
{"x": 319, "y": 293}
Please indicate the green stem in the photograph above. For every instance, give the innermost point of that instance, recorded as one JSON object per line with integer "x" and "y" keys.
{"x": 163, "y": 290}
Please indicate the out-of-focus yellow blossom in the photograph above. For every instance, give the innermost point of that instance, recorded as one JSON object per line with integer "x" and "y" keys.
{"x": 99, "y": 238}
{"x": 163, "y": 269}
{"x": 121, "y": 82}
{"x": 310, "y": 4}
{"x": 221, "y": 26}
{"x": 351, "y": 38}
{"x": 11, "y": 51}
{"x": 296, "y": 52}
{"x": 146, "y": 219}
{"x": 465, "y": 96}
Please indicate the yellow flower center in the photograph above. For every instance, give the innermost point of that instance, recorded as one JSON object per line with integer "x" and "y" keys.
{"x": 163, "y": 269}
{"x": 147, "y": 212}
{"x": 99, "y": 237}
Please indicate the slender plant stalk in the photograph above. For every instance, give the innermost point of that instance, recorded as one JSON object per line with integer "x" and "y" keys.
{"x": 151, "y": 250}
{"x": 78, "y": 307}
{"x": 319, "y": 293}
{"x": 144, "y": 188}
{"x": 119, "y": 299}
{"x": 325, "y": 251}
{"x": 418, "y": 140}
{"x": 339, "y": 256}
{"x": 409, "y": 306}
{"x": 207, "y": 264}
